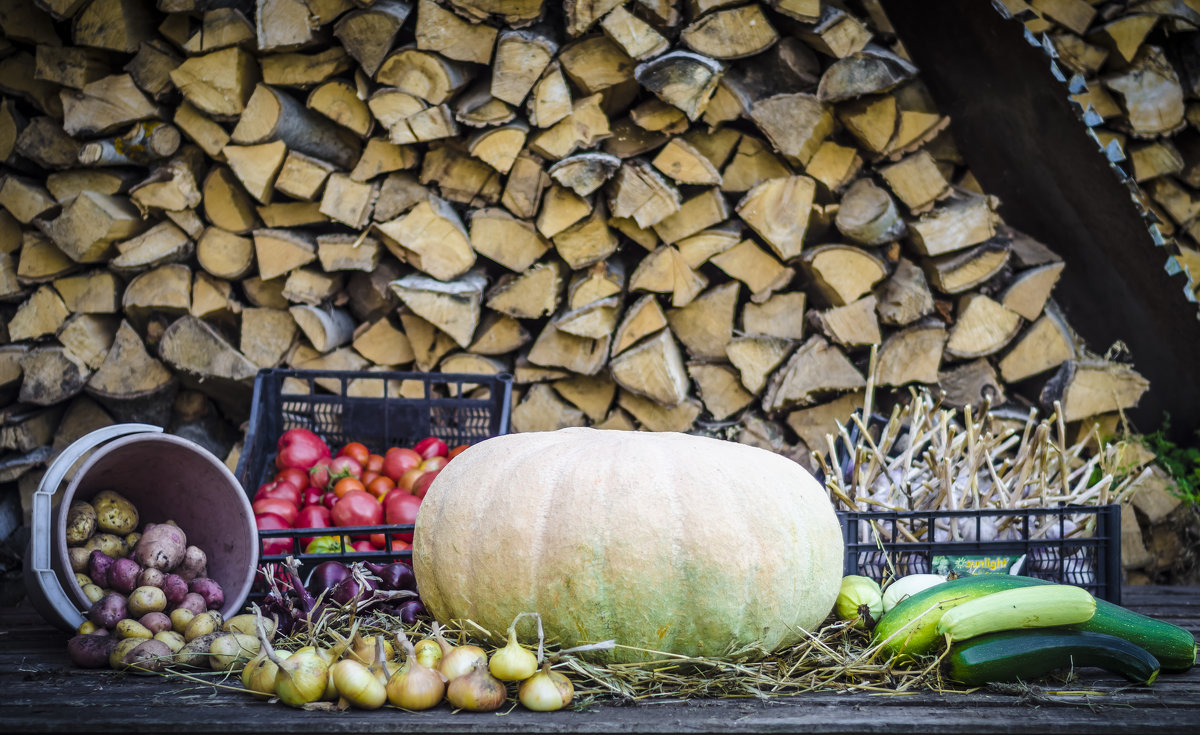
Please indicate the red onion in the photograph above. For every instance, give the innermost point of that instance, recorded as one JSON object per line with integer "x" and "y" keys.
{"x": 328, "y": 574}
{"x": 395, "y": 576}
{"x": 410, "y": 610}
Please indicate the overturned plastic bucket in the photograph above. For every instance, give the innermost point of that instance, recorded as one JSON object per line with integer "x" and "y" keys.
{"x": 166, "y": 478}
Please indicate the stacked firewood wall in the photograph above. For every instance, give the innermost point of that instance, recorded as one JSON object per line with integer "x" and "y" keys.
{"x": 665, "y": 215}
{"x": 1137, "y": 66}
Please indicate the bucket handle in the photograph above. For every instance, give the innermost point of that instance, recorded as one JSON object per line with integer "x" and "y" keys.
{"x": 46, "y": 578}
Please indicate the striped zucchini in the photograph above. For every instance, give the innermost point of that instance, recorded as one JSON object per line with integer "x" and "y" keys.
{"x": 910, "y": 628}
{"x": 1174, "y": 647}
{"x": 1022, "y": 655}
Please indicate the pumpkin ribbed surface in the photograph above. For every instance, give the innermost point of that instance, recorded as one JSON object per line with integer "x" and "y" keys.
{"x": 662, "y": 541}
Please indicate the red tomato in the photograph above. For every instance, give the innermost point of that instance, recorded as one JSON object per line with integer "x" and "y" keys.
{"x": 380, "y": 486}
{"x": 300, "y": 448}
{"x": 398, "y": 461}
{"x": 329, "y": 500}
{"x": 284, "y": 508}
{"x": 318, "y": 476}
{"x": 421, "y": 486}
{"x": 374, "y": 463}
{"x": 401, "y": 508}
{"x": 365, "y": 546}
{"x": 356, "y": 451}
{"x": 368, "y": 476}
{"x": 433, "y": 464}
{"x": 312, "y": 516}
{"x": 344, "y": 467}
{"x": 311, "y": 496}
{"x": 457, "y": 451}
{"x": 357, "y": 508}
{"x": 431, "y": 446}
{"x": 279, "y": 489}
{"x": 272, "y": 522}
{"x": 294, "y": 475}
{"x": 409, "y": 478}
{"x": 380, "y": 541}
{"x": 346, "y": 485}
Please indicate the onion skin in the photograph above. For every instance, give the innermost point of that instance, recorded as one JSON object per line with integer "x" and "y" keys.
{"x": 429, "y": 653}
{"x": 461, "y": 660}
{"x": 477, "y": 690}
{"x": 358, "y": 685}
{"x": 513, "y": 662}
{"x": 546, "y": 691}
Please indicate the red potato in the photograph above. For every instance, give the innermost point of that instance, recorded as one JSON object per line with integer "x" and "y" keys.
{"x": 194, "y": 564}
{"x": 150, "y": 655}
{"x": 175, "y": 588}
{"x": 156, "y": 622}
{"x": 123, "y": 575}
{"x": 194, "y": 603}
{"x": 98, "y": 566}
{"x": 91, "y": 651}
{"x": 162, "y": 546}
{"x": 151, "y": 578}
{"x": 209, "y": 590}
{"x": 108, "y": 610}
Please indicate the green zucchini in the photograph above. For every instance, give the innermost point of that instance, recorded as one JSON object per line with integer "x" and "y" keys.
{"x": 1174, "y": 647}
{"x": 1022, "y": 655}
{"x": 910, "y": 628}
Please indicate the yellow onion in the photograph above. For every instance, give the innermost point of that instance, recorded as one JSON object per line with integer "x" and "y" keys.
{"x": 300, "y": 678}
{"x": 358, "y": 685}
{"x": 477, "y": 690}
{"x": 330, "y": 656}
{"x": 429, "y": 652}
{"x": 415, "y": 686}
{"x": 513, "y": 662}
{"x": 363, "y": 649}
{"x": 546, "y": 691}
{"x": 457, "y": 660}
{"x": 860, "y": 600}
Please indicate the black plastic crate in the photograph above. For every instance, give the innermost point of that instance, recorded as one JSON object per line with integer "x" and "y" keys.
{"x": 369, "y": 407}
{"x": 914, "y": 542}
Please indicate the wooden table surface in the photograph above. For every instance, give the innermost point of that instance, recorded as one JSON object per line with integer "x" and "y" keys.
{"x": 40, "y": 691}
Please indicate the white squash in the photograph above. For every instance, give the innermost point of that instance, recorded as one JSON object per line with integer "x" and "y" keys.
{"x": 662, "y": 541}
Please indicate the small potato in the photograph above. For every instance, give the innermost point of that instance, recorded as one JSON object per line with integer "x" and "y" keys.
{"x": 195, "y": 653}
{"x": 98, "y": 565}
{"x": 194, "y": 564}
{"x": 180, "y": 617}
{"x": 162, "y": 546}
{"x": 117, "y": 655}
{"x": 202, "y": 625}
{"x": 92, "y": 592}
{"x": 173, "y": 640}
{"x": 156, "y": 622}
{"x": 146, "y": 600}
{"x": 210, "y": 590}
{"x": 83, "y": 580}
{"x": 112, "y": 545}
{"x": 151, "y": 578}
{"x": 87, "y": 627}
{"x": 149, "y": 655}
{"x": 123, "y": 575}
{"x": 232, "y": 649}
{"x": 132, "y": 539}
{"x": 130, "y": 628}
{"x": 90, "y": 651}
{"x": 114, "y": 514}
{"x": 175, "y": 588}
{"x": 108, "y": 611}
{"x": 81, "y": 523}
{"x": 246, "y": 623}
{"x": 79, "y": 558}
{"x": 194, "y": 602}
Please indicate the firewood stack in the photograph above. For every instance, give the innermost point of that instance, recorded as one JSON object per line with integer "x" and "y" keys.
{"x": 1139, "y": 63}
{"x": 657, "y": 214}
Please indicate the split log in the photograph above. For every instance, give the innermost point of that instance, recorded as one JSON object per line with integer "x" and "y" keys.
{"x": 637, "y": 38}
{"x": 92, "y": 292}
{"x": 587, "y": 241}
{"x": 904, "y": 297}
{"x": 782, "y": 316}
{"x": 752, "y": 163}
{"x": 778, "y": 209}
{"x": 654, "y": 416}
{"x": 755, "y": 357}
{"x": 916, "y": 181}
{"x": 279, "y": 252}
{"x": 591, "y": 394}
{"x": 1085, "y": 388}
{"x": 531, "y": 294}
{"x": 720, "y": 389}
{"x": 814, "y": 424}
{"x": 256, "y": 167}
{"x": 755, "y": 267}
{"x": 90, "y": 223}
{"x": 555, "y": 348}
{"x": 226, "y": 203}
{"x": 498, "y": 334}
{"x": 541, "y": 409}
{"x": 912, "y": 355}
{"x": 699, "y": 248}
{"x": 206, "y": 362}
{"x": 429, "y": 344}
{"x": 731, "y": 34}
{"x": 369, "y": 34}
{"x": 852, "y": 325}
{"x": 511, "y": 242}
{"x": 816, "y": 369}
{"x": 982, "y": 326}
{"x": 453, "y": 307}
{"x": 796, "y": 124}
{"x": 664, "y": 271}
{"x": 874, "y": 70}
{"x": 325, "y": 329}
{"x": 837, "y": 33}
{"x": 958, "y": 272}
{"x": 51, "y": 375}
{"x": 272, "y": 115}
{"x": 595, "y": 320}
{"x": 705, "y": 209}
{"x": 643, "y": 318}
{"x": 1044, "y": 345}
{"x": 219, "y": 83}
{"x": 681, "y": 78}
{"x": 842, "y": 274}
{"x": 705, "y": 326}
{"x": 868, "y": 215}
{"x": 1030, "y": 290}
{"x": 653, "y": 368}
{"x": 584, "y": 173}
{"x": 433, "y": 238}
{"x": 972, "y": 384}
{"x": 130, "y": 383}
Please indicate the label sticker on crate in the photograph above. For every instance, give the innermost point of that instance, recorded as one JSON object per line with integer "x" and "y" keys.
{"x": 967, "y": 565}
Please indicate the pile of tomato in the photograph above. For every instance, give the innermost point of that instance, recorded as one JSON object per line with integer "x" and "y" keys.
{"x": 316, "y": 489}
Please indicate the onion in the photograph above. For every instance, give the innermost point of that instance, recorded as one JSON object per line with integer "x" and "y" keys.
{"x": 363, "y": 649}
{"x": 428, "y": 652}
{"x": 358, "y": 685}
{"x": 301, "y": 678}
{"x": 415, "y": 686}
{"x": 410, "y": 610}
{"x": 546, "y": 690}
{"x": 513, "y": 662}
{"x": 395, "y": 576}
{"x": 476, "y": 690}
{"x": 457, "y": 660}
{"x": 327, "y": 575}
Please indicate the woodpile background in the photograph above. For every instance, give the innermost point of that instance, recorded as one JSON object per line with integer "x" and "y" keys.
{"x": 1138, "y": 86}
{"x": 688, "y": 215}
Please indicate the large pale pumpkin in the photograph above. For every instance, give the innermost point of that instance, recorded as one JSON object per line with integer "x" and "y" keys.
{"x": 662, "y": 541}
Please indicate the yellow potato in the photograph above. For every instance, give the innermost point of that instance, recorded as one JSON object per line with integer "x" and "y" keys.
{"x": 114, "y": 514}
